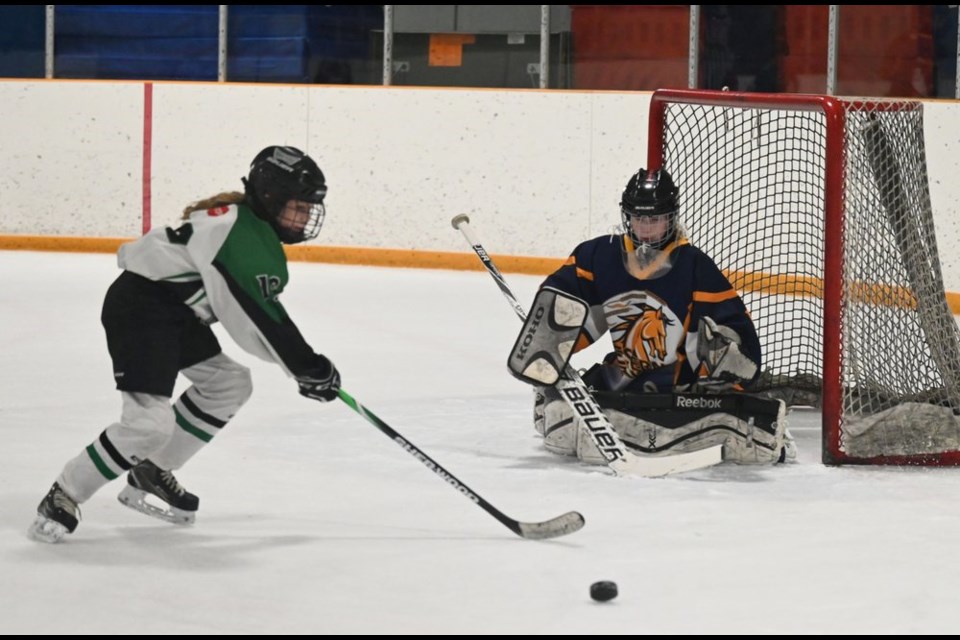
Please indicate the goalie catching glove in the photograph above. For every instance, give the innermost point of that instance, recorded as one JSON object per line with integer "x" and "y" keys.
{"x": 321, "y": 381}
{"x": 722, "y": 363}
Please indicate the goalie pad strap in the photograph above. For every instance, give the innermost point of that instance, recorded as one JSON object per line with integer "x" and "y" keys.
{"x": 547, "y": 339}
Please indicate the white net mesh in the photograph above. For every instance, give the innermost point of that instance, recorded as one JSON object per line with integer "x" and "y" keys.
{"x": 754, "y": 196}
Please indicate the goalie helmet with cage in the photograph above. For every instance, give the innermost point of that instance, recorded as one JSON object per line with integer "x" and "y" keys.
{"x": 282, "y": 176}
{"x": 650, "y": 196}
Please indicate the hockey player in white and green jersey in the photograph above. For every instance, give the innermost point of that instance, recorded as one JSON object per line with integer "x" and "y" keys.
{"x": 224, "y": 263}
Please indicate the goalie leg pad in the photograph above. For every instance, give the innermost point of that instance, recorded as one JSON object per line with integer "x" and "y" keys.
{"x": 789, "y": 447}
{"x": 744, "y": 441}
{"x": 548, "y": 337}
{"x": 560, "y": 426}
{"x": 648, "y": 439}
{"x": 752, "y": 430}
{"x": 587, "y": 450}
{"x": 539, "y": 404}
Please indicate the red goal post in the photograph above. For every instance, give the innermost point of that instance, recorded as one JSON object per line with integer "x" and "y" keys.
{"x": 818, "y": 209}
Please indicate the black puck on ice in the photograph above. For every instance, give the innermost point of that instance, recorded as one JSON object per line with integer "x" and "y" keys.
{"x": 603, "y": 590}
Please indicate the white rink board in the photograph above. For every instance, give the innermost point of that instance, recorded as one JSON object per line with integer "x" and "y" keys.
{"x": 537, "y": 171}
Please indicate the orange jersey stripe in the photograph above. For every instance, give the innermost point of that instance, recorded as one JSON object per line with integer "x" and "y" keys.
{"x": 704, "y": 296}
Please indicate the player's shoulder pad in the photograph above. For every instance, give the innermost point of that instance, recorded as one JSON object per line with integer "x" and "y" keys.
{"x": 223, "y": 214}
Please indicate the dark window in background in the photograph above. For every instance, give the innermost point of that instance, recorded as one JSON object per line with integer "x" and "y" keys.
{"x": 343, "y": 39}
{"x": 945, "y": 50}
{"x": 741, "y": 47}
{"x": 265, "y": 43}
{"x": 485, "y": 60}
{"x": 630, "y": 47}
{"x": 495, "y": 46}
{"x": 22, "y": 48}
{"x": 132, "y": 42}
{"x": 885, "y": 50}
{"x": 326, "y": 44}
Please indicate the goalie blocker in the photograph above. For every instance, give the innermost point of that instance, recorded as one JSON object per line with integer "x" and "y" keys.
{"x": 548, "y": 336}
{"x": 751, "y": 429}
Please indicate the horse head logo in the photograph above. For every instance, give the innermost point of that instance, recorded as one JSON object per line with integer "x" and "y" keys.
{"x": 643, "y": 345}
{"x": 648, "y": 336}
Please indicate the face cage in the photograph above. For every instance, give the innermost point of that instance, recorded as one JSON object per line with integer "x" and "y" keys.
{"x": 311, "y": 229}
{"x": 668, "y": 235}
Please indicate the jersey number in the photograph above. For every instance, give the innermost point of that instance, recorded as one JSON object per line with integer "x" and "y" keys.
{"x": 268, "y": 285}
{"x": 181, "y": 235}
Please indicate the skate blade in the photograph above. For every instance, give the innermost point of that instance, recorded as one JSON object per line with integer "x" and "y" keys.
{"x": 136, "y": 499}
{"x": 46, "y": 530}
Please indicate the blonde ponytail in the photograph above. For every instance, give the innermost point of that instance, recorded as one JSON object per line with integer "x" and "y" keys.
{"x": 220, "y": 200}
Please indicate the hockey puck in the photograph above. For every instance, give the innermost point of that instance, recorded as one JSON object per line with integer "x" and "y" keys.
{"x": 603, "y": 590}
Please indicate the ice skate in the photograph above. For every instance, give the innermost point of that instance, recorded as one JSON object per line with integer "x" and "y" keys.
{"x": 156, "y": 492}
{"x": 57, "y": 516}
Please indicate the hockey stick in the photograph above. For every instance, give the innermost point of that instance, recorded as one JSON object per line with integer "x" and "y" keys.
{"x": 576, "y": 394}
{"x": 559, "y": 526}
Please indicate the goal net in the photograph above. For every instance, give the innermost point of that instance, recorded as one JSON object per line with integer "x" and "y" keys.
{"x": 818, "y": 210}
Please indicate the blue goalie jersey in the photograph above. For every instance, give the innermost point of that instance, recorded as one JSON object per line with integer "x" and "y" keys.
{"x": 652, "y": 311}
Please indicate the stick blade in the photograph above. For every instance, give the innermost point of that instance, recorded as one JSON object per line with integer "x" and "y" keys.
{"x": 657, "y": 467}
{"x": 559, "y": 526}
{"x": 459, "y": 219}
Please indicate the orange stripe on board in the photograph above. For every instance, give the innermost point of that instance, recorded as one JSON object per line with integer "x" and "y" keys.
{"x": 421, "y": 259}
{"x": 333, "y": 255}
{"x": 61, "y": 243}
{"x": 953, "y": 300}
{"x": 775, "y": 283}
{"x": 417, "y": 259}
{"x": 865, "y": 292}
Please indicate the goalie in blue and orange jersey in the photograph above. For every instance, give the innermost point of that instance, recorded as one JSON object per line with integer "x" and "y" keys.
{"x": 677, "y": 325}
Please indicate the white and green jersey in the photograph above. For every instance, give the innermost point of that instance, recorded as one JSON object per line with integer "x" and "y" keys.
{"x": 226, "y": 264}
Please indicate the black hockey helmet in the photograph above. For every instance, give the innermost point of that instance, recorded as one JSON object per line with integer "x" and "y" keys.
{"x": 278, "y": 175}
{"x": 651, "y": 193}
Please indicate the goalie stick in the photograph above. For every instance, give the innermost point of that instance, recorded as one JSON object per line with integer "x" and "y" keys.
{"x": 555, "y": 527}
{"x": 578, "y": 396}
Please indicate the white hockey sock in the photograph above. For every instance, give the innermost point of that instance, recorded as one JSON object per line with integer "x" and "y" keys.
{"x": 181, "y": 446}
{"x": 81, "y": 478}
{"x": 220, "y": 387}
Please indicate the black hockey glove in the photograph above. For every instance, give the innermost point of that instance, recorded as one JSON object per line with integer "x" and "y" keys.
{"x": 320, "y": 382}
